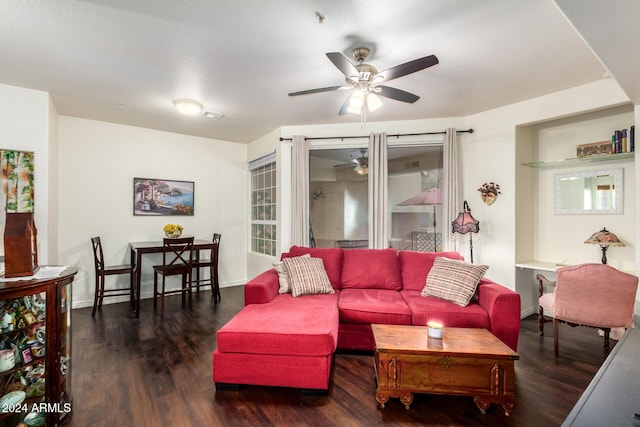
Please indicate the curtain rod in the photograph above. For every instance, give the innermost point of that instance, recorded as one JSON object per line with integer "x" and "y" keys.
{"x": 388, "y": 136}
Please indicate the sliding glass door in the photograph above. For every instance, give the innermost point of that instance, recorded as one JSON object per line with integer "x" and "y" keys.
{"x": 339, "y": 205}
{"x": 415, "y": 198}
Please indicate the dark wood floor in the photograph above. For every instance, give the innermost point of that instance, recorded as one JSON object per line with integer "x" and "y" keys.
{"x": 157, "y": 372}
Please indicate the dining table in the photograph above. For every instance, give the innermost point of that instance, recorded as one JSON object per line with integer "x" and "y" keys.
{"x": 138, "y": 249}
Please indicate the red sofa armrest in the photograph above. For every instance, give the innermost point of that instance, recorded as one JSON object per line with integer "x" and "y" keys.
{"x": 262, "y": 288}
{"x": 503, "y": 306}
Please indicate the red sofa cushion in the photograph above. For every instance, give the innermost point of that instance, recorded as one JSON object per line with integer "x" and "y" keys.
{"x": 373, "y": 306}
{"x": 424, "y": 309}
{"x": 332, "y": 258}
{"x": 415, "y": 267}
{"x": 371, "y": 269}
{"x": 306, "y": 326}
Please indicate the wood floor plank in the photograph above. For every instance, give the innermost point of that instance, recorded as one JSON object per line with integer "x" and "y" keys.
{"x": 157, "y": 371}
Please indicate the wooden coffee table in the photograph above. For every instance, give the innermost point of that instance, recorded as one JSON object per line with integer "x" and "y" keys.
{"x": 465, "y": 362}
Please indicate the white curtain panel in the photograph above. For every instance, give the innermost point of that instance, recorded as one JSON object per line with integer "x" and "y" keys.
{"x": 378, "y": 191}
{"x": 451, "y": 197}
{"x": 300, "y": 191}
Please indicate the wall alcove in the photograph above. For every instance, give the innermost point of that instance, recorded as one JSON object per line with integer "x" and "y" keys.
{"x": 545, "y": 239}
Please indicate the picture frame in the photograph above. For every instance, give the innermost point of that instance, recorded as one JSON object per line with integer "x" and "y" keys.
{"x": 25, "y": 352}
{"x": 162, "y": 197}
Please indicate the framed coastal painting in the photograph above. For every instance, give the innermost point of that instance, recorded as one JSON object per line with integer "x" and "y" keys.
{"x": 162, "y": 197}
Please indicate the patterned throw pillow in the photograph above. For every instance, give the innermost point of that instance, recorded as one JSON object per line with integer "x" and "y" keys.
{"x": 307, "y": 276}
{"x": 283, "y": 276}
{"x": 453, "y": 280}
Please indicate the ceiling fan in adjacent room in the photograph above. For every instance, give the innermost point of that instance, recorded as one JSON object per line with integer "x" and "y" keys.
{"x": 368, "y": 82}
{"x": 361, "y": 163}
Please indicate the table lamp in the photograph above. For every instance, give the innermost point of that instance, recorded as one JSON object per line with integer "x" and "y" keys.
{"x": 604, "y": 238}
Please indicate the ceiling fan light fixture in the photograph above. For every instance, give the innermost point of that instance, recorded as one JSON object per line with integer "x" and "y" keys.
{"x": 374, "y": 103}
{"x": 188, "y": 106}
{"x": 361, "y": 170}
{"x": 356, "y": 102}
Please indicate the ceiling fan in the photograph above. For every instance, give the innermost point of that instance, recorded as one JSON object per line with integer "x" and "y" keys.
{"x": 361, "y": 163}
{"x": 369, "y": 82}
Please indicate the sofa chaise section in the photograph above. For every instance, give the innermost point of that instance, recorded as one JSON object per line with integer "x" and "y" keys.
{"x": 284, "y": 343}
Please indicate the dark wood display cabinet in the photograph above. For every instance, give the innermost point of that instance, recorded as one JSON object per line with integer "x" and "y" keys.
{"x": 35, "y": 351}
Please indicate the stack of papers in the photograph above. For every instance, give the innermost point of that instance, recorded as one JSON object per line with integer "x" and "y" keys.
{"x": 44, "y": 272}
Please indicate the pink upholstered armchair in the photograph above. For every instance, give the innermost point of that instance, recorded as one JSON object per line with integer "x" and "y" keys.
{"x": 594, "y": 295}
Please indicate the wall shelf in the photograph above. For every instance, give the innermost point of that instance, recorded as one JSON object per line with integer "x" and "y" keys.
{"x": 548, "y": 164}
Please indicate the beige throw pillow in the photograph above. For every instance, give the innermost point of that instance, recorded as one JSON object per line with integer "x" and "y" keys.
{"x": 283, "y": 276}
{"x": 307, "y": 276}
{"x": 453, "y": 280}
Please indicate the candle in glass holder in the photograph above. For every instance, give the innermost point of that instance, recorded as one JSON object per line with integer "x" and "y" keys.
{"x": 434, "y": 329}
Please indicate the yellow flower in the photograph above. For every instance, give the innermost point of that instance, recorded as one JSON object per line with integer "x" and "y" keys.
{"x": 171, "y": 228}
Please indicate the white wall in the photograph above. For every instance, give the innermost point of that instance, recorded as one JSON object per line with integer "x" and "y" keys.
{"x": 26, "y": 120}
{"x": 557, "y": 140}
{"x": 492, "y": 153}
{"x": 97, "y": 164}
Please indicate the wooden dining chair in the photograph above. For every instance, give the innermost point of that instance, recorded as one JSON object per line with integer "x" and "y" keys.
{"x": 212, "y": 264}
{"x": 102, "y": 271}
{"x": 177, "y": 260}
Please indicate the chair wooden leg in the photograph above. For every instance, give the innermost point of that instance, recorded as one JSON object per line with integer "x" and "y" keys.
{"x": 541, "y": 320}
{"x": 189, "y": 285}
{"x": 216, "y": 287}
{"x": 96, "y": 296}
{"x": 155, "y": 291}
{"x": 607, "y": 336}
{"x": 556, "y": 349}
{"x": 101, "y": 297}
{"x": 132, "y": 294}
{"x": 183, "y": 283}
{"x": 162, "y": 297}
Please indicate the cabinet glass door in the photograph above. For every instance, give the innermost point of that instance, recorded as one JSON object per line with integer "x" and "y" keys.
{"x": 64, "y": 355}
{"x": 23, "y": 325}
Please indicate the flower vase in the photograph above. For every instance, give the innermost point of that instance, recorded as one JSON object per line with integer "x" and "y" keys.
{"x": 173, "y": 234}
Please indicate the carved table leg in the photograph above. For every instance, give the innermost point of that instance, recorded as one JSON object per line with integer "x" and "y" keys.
{"x": 382, "y": 398}
{"x": 508, "y": 405}
{"x": 406, "y": 399}
{"x": 482, "y": 404}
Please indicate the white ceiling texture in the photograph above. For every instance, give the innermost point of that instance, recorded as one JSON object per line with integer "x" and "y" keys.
{"x": 125, "y": 61}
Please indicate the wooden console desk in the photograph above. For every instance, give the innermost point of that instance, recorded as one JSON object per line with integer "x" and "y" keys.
{"x": 611, "y": 399}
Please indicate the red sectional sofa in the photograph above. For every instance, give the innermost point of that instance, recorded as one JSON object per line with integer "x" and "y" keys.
{"x": 279, "y": 340}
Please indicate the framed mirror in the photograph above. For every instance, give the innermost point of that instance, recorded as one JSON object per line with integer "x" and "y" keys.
{"x": 597, "y": 192}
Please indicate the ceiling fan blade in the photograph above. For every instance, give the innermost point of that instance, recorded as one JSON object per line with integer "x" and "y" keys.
{"x": 343, "y": 64}
{"x": 322, "y": 89}
{"x": 345, "y": 107}
{"x": 406, "y": 68}
{"x": 397, "y": 94}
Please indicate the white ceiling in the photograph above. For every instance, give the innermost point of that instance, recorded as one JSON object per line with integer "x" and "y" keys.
{"x": 125, "y": 61}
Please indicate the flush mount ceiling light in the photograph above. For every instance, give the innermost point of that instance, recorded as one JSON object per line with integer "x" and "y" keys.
{"x": 188, "y": 106}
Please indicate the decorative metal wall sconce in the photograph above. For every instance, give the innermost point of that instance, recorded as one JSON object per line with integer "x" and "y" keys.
{"x": 489, "y": 192}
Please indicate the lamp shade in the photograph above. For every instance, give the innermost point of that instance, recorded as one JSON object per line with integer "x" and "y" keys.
{"x": 465, "y": 222}
{"x": 604, "y": 238}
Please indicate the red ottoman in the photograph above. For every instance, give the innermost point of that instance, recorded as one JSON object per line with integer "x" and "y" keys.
{"x": 289, "y": 343}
